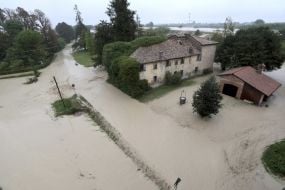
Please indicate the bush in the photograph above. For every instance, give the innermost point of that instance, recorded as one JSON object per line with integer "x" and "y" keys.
{"x": 207, "y": 71}
{"x": 207, "y": 100}
{"x": 274, "y": 158}
{"x": 70, "y": 106}
{"x": 172, "y": 79}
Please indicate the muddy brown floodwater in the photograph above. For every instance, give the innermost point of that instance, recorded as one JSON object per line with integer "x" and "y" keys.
{"x": 39, "y": 151}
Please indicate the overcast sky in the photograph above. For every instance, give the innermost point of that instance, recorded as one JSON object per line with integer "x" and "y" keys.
{"x": 159, "y": 11}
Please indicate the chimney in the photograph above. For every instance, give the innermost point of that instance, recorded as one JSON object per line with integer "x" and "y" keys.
{"x": 160, "y": 55}
{"x": 260, "y": 68}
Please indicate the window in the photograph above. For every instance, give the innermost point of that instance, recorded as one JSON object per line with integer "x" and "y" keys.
{"x": 182, "y": 61}
{"x": 142, "y": 67}
{"x": 154, "y": 66}
{"x": 168, "y": 64}
{"x": 181, "y": 72}
{"x": 154, "y": 78}
{"x": 176, "y": 62}
{"x": 199, "y": 57}
{"x": 196, "y": 69}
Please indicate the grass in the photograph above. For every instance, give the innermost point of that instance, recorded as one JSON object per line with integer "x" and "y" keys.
{"x": 274, "y": 159}
{"x": 83, "y": 58}
{"x": 163, "y": 89}
{"x": 68, "y": 106}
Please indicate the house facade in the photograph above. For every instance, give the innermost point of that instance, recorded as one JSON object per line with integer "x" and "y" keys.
{"x": 187, "y": 55}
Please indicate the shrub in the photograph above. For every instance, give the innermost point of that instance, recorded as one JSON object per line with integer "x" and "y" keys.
{"x": 207, "y": 71}
{"x": 207, "y": 100}
{"x": 172, "y": 79}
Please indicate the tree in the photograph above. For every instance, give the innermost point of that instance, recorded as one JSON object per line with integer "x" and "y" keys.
{"x": 80, "y": 30}
{"x": 89, "y": 41}
{"x": 259, "y": 22}
{"x": 103, "y": 36}
{"x": 228, "y": 27}
{"x": 28, "y": 47}
{"x": 251, "y": 47}
{"x": 122, "y": 19}
{"x": 207, "y": 100}
{"x": 4, "y": 45}
{"x": 65, "y": 31}
{"x": 13, "y": 28}
{"x": 197, "y": 33}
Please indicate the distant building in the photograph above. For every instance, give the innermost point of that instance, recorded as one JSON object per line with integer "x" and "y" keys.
{"x": 246, "y": 83}
{"x": 186, "y": 54}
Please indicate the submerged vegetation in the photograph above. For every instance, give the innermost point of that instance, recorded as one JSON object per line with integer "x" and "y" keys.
{"x": 274, "y": 158}
{"x": 68, "y": 106}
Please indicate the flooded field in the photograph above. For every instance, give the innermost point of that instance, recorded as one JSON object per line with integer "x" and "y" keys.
{"x": 39, "y": 151}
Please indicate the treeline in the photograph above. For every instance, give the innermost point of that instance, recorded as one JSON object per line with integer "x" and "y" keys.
{"x": 251, "y": 47}
{"x": 27, "y": 40}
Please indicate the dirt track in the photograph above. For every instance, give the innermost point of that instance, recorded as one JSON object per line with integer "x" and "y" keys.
{"x": 41, "y": 152}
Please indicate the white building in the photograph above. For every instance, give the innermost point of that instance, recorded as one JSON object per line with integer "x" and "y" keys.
{"x": 188, "y": 55}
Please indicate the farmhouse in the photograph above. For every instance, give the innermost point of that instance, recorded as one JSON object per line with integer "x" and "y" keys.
{"x": 246, "y": 83}
{"x": 188, "y": 55}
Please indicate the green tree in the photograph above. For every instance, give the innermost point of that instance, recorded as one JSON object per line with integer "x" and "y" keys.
{"x": 228, "y": 27}
{"x": 122, "y": 19}
{"x": 251, "y": 47}
{"x": 207, "y": 100}
{"x": 89, "y": 41}
{"x": 80, "y": 30}
{"x": 103, "y": 36}
{"x": 197, "y": 32}
{"x": 65, "y": 31}
{"x": 29, "y": 48}
{"x": 13, "y": 28}
{"x": 4, "y": 45}
{"x": 259, "y": 22}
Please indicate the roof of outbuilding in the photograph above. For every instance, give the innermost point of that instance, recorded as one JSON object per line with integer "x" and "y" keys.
{"x": 261, "y": 82}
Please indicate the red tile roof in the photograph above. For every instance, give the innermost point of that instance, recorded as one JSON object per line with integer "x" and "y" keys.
{"x": 261, "y": 82}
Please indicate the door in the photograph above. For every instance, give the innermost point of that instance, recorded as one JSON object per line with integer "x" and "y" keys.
{"x": 230, "y": 90}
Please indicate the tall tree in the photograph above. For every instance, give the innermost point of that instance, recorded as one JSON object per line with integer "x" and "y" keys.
{"x": 228, "y": 27}
{"x": 103, "y": 36}
{"x": 207, "y": 100}
{"x": 80, "y": 30}
{"x": 65, "y": 31}
{"x": 28, "y": 47}
{"x": 251, "y": 47}
{"x": 122, "y": 19}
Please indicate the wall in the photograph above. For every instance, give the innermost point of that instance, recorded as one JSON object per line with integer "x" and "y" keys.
{"x": 251, "y": 94}
{"x": 208, "y": 56}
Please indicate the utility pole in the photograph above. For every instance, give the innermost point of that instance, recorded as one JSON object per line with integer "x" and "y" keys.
{"x": 59, "y": 91}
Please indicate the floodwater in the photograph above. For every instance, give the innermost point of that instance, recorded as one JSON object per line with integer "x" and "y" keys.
{"x": 43, "y": 152}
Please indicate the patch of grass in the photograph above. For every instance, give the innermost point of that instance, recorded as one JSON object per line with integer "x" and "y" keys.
{"x": 274, "y": 159}
{"x": 69, "y": 107}
{"x": 83, "y": 58}
{"x": 163, "y": 89}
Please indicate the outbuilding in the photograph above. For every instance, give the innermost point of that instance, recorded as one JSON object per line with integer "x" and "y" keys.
{"x": 247, "y": 83}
